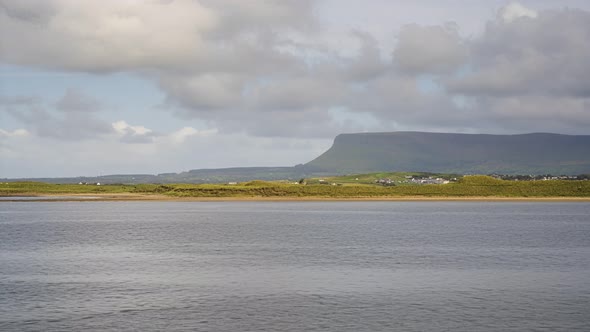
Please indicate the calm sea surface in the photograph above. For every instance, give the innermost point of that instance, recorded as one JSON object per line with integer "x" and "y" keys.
{"x": 294, "y": 266}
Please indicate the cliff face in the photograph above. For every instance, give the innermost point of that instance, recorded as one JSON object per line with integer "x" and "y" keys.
{"x": 537, "y": 153}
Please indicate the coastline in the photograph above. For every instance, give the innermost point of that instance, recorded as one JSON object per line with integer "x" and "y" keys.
{"x": 122, "y": 197}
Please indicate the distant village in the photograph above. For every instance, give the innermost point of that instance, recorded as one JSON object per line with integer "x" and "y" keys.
{"x": 545, "y": 177}
{"x": 420, "y": 180}
{"x": 415, "y": 180}
{"x": 426, "y": 179}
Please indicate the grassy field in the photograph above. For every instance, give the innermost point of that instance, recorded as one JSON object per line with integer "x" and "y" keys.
{"x": 400, "y": 178}
{"x": 364, "y": 187}
{"x": 41, "y": 188}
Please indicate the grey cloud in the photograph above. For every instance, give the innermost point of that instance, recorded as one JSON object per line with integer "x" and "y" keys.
{"x": 31, "y": 11}
{"x": 182, "y": 35}
{"x": 536, "y": 113}
{"x": 546, "y": 55}
{"x": 368, "y": 64}
{"x": 431, "y": 49}
{"x": 238, "y": 17}
{"x": 204, "y": 93}
{"x": 70, "y": 121}
{"x": 240, "y": 60}
{"x": 76, "y": 101}
{"x": 297, "y": 94}
{"x": 25, "y": 109}
{"x": 133, "y": 138}
{"x": 400, "y": 101}
{"x": 72, "y": 126}
{"x": 311, "y": 122}
{"x": 7, "y": 102}
{"x": 529, "y": 74}
{"x": 252, "y": 67}
{"x": 107, "y": 36}
{"x": 303, "y": 123}
{"x": 510, "y": 61}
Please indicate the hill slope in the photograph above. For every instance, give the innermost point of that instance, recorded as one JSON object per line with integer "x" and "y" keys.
{"x": 537, "y": 153}
{"x": 218, "y": 175}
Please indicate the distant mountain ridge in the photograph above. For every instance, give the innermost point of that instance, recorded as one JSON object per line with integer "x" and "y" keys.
{"x": 536, "y": 153}
{"x": 213, "y": 175}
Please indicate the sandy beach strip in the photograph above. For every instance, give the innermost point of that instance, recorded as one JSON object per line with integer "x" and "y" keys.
{"x": 99, "y": 197}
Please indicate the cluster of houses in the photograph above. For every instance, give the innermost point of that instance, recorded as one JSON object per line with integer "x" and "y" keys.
{"x": 385, "y": 182}
{"x": 545, "y": 177}
{"x": 427, "y": 180}
{"x": 414, "y": 180}
{"x": 562, "y": 177}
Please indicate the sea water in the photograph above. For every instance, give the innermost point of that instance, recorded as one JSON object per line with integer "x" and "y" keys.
{"x": 294, "y": 266}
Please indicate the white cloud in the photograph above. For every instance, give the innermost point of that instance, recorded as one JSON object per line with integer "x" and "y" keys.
{"x": 9, "y": 142}
{"x": 181, "y": 135}
{"x": 14, "y": 133}
{"x": 115, "y": 35}
{"x": 123, "y": 128}
{"x": 141, "y": 134}
{"x": 103, "y": 35}
{"x": 514, "y": 11}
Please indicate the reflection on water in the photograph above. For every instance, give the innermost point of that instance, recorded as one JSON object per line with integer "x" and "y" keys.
{"x": 292, "y": 266}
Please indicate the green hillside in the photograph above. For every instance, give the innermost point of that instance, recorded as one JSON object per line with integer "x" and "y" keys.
{"x": 457, "y": 153}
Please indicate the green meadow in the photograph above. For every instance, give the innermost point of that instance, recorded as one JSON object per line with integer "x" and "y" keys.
{"x": 354, "y": 186}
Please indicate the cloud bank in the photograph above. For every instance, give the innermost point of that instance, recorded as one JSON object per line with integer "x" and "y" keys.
{"x": 263, "y": 69}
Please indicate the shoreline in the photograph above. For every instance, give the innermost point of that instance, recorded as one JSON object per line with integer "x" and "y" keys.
{"x": 122, "y": 197}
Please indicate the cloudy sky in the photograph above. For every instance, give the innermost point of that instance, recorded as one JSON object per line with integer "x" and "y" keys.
{"x": 129, "y": 86}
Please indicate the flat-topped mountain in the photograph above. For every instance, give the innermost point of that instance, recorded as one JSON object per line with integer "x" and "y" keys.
{"x": 400, "y": 151}
{"x": 536, "y": 153}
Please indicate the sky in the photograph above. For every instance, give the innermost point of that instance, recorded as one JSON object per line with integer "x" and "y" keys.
{"x": 92, "y": 88}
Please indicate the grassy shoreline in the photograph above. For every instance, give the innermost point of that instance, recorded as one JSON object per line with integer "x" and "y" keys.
{"x": 469, "y": 188}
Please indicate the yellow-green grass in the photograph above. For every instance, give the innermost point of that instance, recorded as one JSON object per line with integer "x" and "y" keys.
{"x": 398, "y": 178}
{"x": 40, "y": 188}
{"x": 468, "y": 186}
